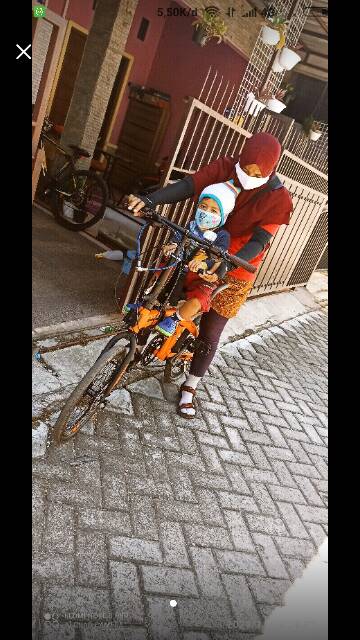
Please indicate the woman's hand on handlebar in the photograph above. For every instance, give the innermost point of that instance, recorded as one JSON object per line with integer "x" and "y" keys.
{"x": 135, "y": 204}
{"x": 169, "y": 248}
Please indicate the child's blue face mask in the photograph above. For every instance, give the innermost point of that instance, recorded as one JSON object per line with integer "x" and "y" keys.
{"x": 207, "y": 219}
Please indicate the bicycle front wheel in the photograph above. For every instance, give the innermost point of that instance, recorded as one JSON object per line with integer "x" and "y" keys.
{"x": 87, "y": 398}
{"x": 80, "y": 200}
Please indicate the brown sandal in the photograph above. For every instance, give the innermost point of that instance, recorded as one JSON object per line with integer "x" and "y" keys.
{"x": 186, "y": 405}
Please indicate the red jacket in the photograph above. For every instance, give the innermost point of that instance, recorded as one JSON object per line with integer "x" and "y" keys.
{"x": 269, "y": 212}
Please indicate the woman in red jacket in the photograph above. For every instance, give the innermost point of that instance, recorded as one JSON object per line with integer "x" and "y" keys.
{"x": 262, "y": 205}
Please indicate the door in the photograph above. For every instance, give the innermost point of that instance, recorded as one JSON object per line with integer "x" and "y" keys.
{"x": 48, "y": 35}
{"x": 74, "y": 45}
{"x": 115, "y": 99}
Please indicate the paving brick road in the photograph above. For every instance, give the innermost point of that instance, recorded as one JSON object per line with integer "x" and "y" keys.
{"x": 220, "y": 514}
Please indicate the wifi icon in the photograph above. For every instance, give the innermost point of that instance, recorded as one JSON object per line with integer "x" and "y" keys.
{"x": 212, "y": 11}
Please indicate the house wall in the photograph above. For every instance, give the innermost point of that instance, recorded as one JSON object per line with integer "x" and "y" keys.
{"x": 168, "y": 60}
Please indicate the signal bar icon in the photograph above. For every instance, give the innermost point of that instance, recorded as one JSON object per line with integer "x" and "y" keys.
{"x": 250, "y": 14}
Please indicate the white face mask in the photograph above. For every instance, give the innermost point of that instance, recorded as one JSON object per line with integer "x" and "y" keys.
{"x": 249, "y": 182}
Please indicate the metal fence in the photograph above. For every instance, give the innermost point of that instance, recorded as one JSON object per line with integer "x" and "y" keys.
{"x": 296, "y": 248}
{"x": 222, "y": 97}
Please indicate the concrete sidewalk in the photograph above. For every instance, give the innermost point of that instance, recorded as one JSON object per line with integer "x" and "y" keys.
{"x": 218, "y": 516}
{"x": 68, "y": 283}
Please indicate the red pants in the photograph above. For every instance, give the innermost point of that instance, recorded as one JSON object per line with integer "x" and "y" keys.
{"x": 196, "y": 287}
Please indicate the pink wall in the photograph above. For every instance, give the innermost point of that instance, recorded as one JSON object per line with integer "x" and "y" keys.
{"x": 56, "y": 6}
{"x": 80, "y": 11}
{"x": 167, "y": 60}
{"x": 183, "y": 69}
{"x": 143, "y": 52}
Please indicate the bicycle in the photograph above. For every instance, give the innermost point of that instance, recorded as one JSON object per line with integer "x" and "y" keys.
{"x": 120, "y": 356}
{"x": 78, "y": 197}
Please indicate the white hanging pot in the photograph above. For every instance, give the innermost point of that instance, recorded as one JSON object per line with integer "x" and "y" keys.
{"x": 314, "y": 135}
{"x": 275, "y": 105}
{"x": 276, "y": 66}
{"x": 253, "y": 106}
{"x": 258, "y": 107}
{"x": 288, "y": 58}
{"x": 270, "y": 36}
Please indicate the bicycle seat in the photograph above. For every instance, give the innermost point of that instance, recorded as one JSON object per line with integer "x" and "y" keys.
{"x": 79, "y": 151}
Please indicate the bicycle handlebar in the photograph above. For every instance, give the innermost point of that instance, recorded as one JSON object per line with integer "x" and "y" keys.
{"x": 150, "y": 214}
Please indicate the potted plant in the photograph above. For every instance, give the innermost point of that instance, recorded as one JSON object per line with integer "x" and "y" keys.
{"x": 256, "y": 102}
{"x": 273, "y": 31}
{"x": 311, "y": 129}
{"x": 289, "y": 92}
{"x": 207, "y": 26}
{"x": 289, "y": 58}
{"x": 274, "y": 103}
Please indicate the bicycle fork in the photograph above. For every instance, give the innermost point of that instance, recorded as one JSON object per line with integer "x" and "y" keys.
{"x": 129, "y": 358}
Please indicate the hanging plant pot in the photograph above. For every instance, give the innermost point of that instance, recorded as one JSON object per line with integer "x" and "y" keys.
{"x": 314, "y": 135}
{"x": 270, "y": 36}
{"x": 253, "y": 106}
{"x": 200, "y": 36}
{"x": 275, "y": 105}
{"x": 276, "y": 66}
{"x": 288, "y": 58}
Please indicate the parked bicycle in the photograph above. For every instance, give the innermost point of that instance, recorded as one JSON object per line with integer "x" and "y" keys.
{"x": 78, "y": 197}
{"x": 120, "y": 356}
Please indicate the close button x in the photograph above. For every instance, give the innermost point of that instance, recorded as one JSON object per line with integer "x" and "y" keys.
{"x": 23, "y": 51}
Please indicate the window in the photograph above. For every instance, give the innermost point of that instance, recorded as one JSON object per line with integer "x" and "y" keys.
{"x": 144, "y": 25}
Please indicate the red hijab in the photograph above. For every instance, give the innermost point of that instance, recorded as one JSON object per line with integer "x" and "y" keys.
{"x": 262, "y": 149}
{"x": 274, "y": 207}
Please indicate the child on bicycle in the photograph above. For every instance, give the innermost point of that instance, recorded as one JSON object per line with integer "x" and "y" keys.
{"x": 215, "y": 204}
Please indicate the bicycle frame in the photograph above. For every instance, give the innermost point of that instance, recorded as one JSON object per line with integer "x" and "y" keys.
{"x": 147, "y": 317}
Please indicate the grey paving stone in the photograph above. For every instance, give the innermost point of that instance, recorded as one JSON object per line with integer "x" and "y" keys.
{"x": 313, "y": 514}
{"x": 126, "y": 596}
{"x": 168, "y": 580}
{"x": 205, "y": 613}
{"x": 177, "y": 510}
{"x": 265, "y": 524}
{"x": 135, "y": 549}
{"x": 209, "y": 507}
{"x": 239, "y": 562}
{"x": 292, "y": 520}
{"x": 60, "y": 529}
{"x": 235, "y": 501}
{"x": 173, "y": 544}
{"x": 295, "y": 547}
{"x": 78, "y": 603}
{"x": 105, "y": 520}
{"x": 242, "y": 603}
{"x": 207, "y": 572}
{"x": 56, "y": 568}
{"x": 91, "y": 559}
{"x": 205, "y": 536}
{"x": 272, "y": 561}
{"x": 269, "y": 590}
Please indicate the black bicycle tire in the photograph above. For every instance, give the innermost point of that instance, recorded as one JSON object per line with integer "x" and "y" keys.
{"x": 168, "y": 377}
{"x": 82, "y": 225}
{"x": 78, "y": 392}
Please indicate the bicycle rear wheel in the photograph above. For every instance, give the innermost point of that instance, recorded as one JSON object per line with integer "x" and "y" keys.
{"x": 80, "y": 200}
{"x": 87, "y": 398}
